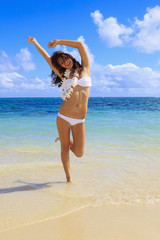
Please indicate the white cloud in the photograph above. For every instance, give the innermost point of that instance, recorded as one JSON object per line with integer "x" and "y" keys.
{"x": 147, "y": 38}
{"x": 14, "y": 84}
{"x": 126, "y": 80}
{"x": 7, "y": 80}
{"x": 142, "y": 34}
{"x": 113, "y": 33}
{"x": 17, "y": 81}
{"x": 10, "y": 79}
{"x": 24, "y": 59}
{"x": 5, "y": 63}
{"x": 35, "y": 83}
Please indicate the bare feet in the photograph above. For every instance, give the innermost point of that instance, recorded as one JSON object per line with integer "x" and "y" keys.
{"x": 69, "y": 179}
{"x": 57, "y": 139}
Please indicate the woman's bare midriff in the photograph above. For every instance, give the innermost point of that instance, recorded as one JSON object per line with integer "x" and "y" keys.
{"x": 76, "y": 105}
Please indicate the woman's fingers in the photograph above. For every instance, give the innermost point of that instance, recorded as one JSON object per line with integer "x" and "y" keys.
{"x": 30, "y": 39}
{"x": 52, "y": 44}
{"x": 49, "y": 44}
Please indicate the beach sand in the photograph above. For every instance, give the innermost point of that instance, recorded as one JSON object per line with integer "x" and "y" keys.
{"x": 106, "y": 223}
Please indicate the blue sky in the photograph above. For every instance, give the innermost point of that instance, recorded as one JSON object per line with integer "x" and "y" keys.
{"x": 122, "y": 39}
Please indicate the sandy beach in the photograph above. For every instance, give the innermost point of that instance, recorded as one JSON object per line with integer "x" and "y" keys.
{"x": 111, "y": 223}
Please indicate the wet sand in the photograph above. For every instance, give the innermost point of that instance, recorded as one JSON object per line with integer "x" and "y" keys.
{"x": 106, "y": 223}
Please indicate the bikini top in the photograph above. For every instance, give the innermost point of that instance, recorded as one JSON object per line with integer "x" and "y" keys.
{"x": 84, "y": 82}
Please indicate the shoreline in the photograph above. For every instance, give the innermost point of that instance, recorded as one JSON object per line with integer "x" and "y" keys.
{"x": 110, "y": 222}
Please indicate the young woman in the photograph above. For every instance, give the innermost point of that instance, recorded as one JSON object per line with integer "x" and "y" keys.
{"x": 75, "y": 80}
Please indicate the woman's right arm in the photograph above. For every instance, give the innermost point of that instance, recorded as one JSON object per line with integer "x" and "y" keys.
{"x": 43, "y": 52}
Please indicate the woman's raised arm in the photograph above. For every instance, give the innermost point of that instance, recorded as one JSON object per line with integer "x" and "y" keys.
{"x": 43, "y": 52}
{"x": 75, "y": 44}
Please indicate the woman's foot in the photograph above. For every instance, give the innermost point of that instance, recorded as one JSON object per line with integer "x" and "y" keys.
{"x": 57, "y": 139}
{"x": 69, "y": 179}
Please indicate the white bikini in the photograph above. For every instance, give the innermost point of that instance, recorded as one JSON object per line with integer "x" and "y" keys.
{"x": 84, "y": 82}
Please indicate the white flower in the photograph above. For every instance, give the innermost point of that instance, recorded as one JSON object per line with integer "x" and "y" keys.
{"x": 67, "y": 73}
{"x": 74, "y": 82}
{"x": 67, "y": 93}
{"x": 71, "y": 90}
{"x": 76, "y": 74}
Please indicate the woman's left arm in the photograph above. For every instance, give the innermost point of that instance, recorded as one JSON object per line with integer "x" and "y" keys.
{"x": 75, "y": 44}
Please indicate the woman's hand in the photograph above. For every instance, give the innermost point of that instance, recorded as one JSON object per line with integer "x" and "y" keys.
{"x": 31, "y": 39}
{"x": 52, "y": 44}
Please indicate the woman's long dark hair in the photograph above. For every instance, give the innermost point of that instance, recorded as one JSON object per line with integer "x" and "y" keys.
{"x": 54, "y": 59}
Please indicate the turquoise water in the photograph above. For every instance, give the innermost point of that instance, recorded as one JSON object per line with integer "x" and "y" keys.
{"x": 112, "y": 121}
{"x": 121, "y": 164}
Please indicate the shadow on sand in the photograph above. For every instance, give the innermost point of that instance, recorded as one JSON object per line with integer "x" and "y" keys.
{"x": 28, "y": 186}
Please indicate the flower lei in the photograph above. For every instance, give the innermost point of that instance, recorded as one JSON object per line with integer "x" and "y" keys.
{"x": 67, "y": 93}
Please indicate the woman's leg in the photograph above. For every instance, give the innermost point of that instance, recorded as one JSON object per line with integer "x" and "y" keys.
{"x": 64, "y": 136}
{"x": 77, "y": 145}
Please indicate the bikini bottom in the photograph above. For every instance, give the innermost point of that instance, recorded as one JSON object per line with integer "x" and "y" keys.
{"x": 72, "y": 121}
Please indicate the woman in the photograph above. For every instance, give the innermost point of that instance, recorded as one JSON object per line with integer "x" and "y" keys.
{"x": 75, "y": 80}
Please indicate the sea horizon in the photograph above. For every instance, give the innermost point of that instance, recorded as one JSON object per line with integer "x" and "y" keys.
{"x": 91, "y": 97}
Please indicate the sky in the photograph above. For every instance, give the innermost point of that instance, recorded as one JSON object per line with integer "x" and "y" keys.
{"x": 122, "y": 39}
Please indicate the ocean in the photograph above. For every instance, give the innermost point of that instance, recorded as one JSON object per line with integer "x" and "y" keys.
{"x": 120, "y": 166}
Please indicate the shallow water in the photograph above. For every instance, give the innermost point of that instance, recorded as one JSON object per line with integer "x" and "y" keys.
{"x": 121, "y": 164}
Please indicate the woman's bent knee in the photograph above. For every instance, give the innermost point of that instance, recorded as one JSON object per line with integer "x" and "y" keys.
{"x": 79, "y": 154}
